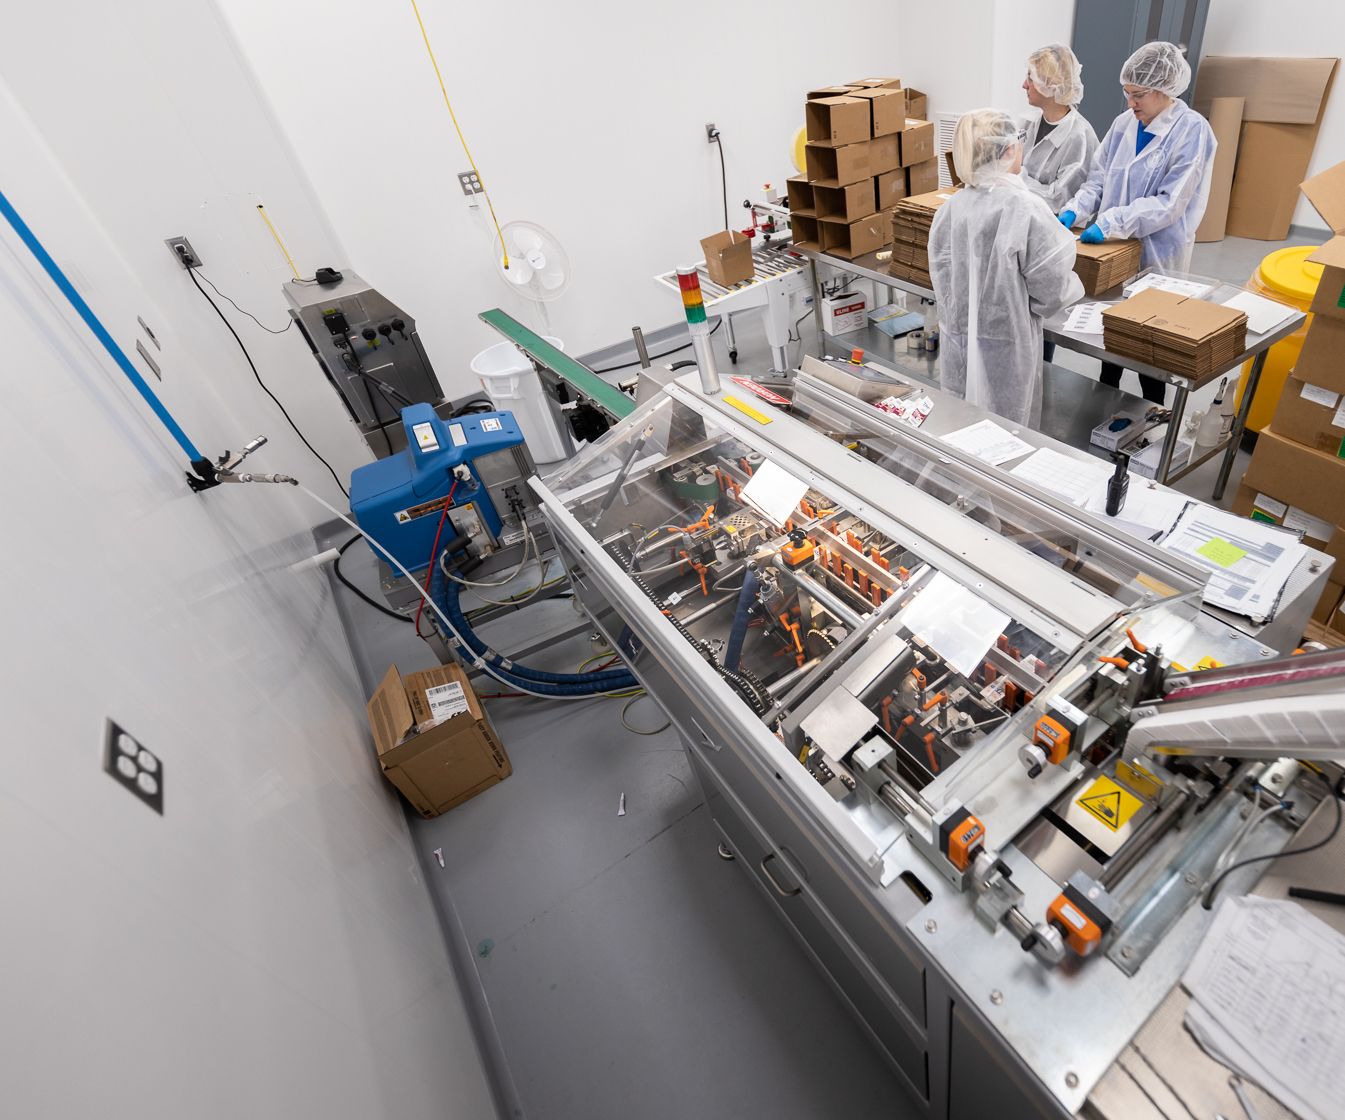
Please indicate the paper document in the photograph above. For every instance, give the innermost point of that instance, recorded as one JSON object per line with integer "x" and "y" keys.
{"x": 987, "y": 440}
{"x": 1249, "y": 563}
{"x": 1262, "y": 314}
{"x": 1073, "y": 480}
{"x": 958, "y": 623}
{"x": 774, "y": 492}
{"x": 1149, "y": 512}
{"x": 1192, "y": 288}
{"x": 1266, "y": 988}
{"x": 1086, "y": 318}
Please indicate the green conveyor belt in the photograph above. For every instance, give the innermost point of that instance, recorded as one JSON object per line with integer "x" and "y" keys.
{"x": 578, "y": 377}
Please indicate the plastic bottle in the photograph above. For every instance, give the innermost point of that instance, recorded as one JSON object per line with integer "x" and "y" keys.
{"x": 1212, "y": 422}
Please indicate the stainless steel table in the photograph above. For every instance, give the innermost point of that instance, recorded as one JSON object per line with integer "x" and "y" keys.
{"x": 869, "y": 267}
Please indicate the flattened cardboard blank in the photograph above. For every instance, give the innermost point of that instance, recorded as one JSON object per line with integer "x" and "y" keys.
{"x": 1225, "y": 117}
{"x": 1274, "y": 90}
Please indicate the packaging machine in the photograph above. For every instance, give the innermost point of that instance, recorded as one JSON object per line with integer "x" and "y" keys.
{"x": 951, "y": 729}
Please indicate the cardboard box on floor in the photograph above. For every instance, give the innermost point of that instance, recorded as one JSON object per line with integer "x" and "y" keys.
{"x": 836, "y": 121}
{"x": 1225, "y": 117}
{"x": 917, "y": 141}
{"x": 728, "y": 257}
{"x": 1283, "y": 102}
{"x": 1317, "y": 533}
{"x": 1309, "y": 480}
{"x": 1312, "y": 416}
{"x": 435, "y": 765}
{"x": 1329, "y": 603}
{"x": 1326, "y": 192}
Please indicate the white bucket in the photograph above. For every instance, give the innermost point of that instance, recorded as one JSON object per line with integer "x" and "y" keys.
{"x": 513, "y": 385}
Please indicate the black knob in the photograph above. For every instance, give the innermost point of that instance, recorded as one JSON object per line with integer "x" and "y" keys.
{"x": 399, "y": 325}
{"x": 368, "y": 334}
{"x": 386, "y": 332}
{"x": 1029, "y": 941}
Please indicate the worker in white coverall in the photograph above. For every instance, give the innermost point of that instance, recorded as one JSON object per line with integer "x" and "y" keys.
{"x": 1150, "y": 178}
{"x": 1000, "y": 262}
{"x": 1058, "y": 141}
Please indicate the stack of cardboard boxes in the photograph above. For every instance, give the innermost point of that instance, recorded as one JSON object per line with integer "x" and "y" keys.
{"x": 1179, "y": 333}
{"x": 910, "y": 235}
{"x": 1297, "y": 474}
{"x": 866, "y": 150}
{"x": 1103, "y": 267}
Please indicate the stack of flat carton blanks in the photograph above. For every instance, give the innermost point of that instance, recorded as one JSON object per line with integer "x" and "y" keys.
{"x": 911, "y": 221}
{"x": 1186, "y": 336}
{"x": 1103, "y": 267}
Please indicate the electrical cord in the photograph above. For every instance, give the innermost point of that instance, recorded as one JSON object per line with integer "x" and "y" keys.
{"x": 723, "y": 177}
{"x": 667, "y": 723}
{"x": 336, "y": 567}
{"x": 228, "y": 299}
{"x": 476, "y": 404}
{"x": 253, "y": 365}
{"x": 656, "y": 357}
{"x": 1336, "y": 792}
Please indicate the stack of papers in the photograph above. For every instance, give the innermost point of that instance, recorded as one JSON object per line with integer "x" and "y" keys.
{"x": 1249, "y": 563}
{"x": 1262, "y": 314}
{"x": 988, "y": 441}
{"x": 1085, "y": 318}
{"x": 1265, "y": 990}
{"x": 1193, "y": 288}
{"x": 1150, "y": 510}
{"x": 1072, "y": 480}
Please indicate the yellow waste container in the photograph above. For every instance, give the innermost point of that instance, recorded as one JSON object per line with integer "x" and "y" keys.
{"x": 1288, "y": 276}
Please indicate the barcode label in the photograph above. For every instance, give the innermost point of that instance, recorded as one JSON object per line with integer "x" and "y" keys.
{"x": 446, "y": 700}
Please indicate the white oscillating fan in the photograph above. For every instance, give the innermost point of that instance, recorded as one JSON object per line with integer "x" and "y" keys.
{"x": 538, "y": 267}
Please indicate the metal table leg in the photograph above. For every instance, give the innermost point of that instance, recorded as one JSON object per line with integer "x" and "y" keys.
{"x": 1239, "y": 424}
{"x": 817, "y": 308}
{"x": 1174, "y": 433}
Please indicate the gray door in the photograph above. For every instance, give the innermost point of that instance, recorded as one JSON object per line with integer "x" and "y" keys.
{"x": 1106, "y": 33}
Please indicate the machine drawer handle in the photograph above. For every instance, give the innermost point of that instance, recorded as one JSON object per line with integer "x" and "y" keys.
{"x": 774, "y": 881}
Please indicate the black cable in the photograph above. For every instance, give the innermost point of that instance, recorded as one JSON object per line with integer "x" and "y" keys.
{"x": 336, "y": 567}
{"x": 723, "y": 178}
{"x": 476, "y": 404}
{"x": 385, "y": 389}
{"x": 223, "y": 319}
{"x": 1335, "y": 793}
{"x": 656, "y": 357}
{"x": 247, "y": 313}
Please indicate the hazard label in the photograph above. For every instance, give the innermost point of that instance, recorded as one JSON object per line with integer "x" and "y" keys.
{"x": 1109, "y": 803}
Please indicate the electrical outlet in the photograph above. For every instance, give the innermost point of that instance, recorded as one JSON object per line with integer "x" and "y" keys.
{"x": 470, "y": 183}
{"x": 183, "y": 252}
{"x": 711, "y": 132}
{"x": 133, "y": 766}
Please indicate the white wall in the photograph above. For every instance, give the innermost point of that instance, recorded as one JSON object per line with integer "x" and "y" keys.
{"x": 586, "y": 118}
{"x": 1306, "y": 29}
{"x": 1019, "y": 29}
{"x": 266, "y": 948}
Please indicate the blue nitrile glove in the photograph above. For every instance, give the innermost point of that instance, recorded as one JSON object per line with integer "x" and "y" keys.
{"x": 1093, "y": 235}
{"x": 1067, "y": 218}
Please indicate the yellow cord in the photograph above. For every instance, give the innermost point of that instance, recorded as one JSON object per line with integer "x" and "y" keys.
{"x": 461, "y": 139}
{"x": 262, "y": 211}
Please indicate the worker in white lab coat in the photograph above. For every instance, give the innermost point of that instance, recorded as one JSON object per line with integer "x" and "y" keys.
{"x": 1000, "y": 262}
{"x": 1150, "y": 178}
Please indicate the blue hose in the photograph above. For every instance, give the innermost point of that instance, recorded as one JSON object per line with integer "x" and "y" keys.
{"x": 447, "y": 594}
{"x": 733, "y": 654}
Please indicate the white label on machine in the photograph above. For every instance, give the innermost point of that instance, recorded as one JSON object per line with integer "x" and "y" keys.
{"x": 491, "y": 424}
{"x": 1323, "y": 397}
{"x": 1270, "y": 505}
{"x": 458, "y": 436}
{"x": 446, "y": 700}
{"x": 426, "y": 440}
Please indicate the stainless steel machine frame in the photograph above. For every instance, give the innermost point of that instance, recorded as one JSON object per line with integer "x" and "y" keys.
{"x": 974, "y": 1025}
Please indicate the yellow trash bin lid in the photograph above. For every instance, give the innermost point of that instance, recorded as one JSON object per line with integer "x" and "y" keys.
{"x": 1290, "y": 273}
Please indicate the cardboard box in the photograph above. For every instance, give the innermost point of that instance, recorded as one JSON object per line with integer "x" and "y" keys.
{"x": 728, "y": 257}
{"x": 804, "y": 231}
{"x": 1105, "y": 266}
{"x": 836, "y": 121}
{"x": 1283, "y": 102}
{"x": 917, "y": 141}
{"x": 848, "y": 203}
{"x": 843, "y": 313}
{"x": 917, "y": 104}
{"x": 1328, "y": 603}
{"x": 1225, "y": 117}
{"x": 921, "y": 178}
{"x": 1269, "y": 510}
{"x": 835, "y": 167}
{"x": 1312, "y": 416}
{"x": 1326, "y": 192}
{"x": 435, "y": 765}
{"x": 1308, "y": 480}
{"x": 800, "y": 194}
{"x": 953, "y": 176}
{"x": 1176, "y": 333}
{"x": 883, "y": 154}
{"x": 854, "y": 239}
{"x": 890, "y": 188}
{"x": 887, "y": 110}
{"x": 875, "y": 83}
{"x": 1321, "y": 362}
{"x": 829, "y": 91}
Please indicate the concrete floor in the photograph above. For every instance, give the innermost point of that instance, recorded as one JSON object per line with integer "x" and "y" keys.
{"x": 616, "y": 966}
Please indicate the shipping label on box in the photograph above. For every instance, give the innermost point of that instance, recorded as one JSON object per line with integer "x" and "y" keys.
{"x": 1298, "y": 476}
{"x": 1312, "y": 416}
{"x": 843, "y": 313}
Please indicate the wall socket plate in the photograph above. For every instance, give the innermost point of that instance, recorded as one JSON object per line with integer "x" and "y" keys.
{"x": 133, "y": 766}
{"x": 182, "y": 252}
{"x": 710, "y": 132}
{"x": 470, "y": 182}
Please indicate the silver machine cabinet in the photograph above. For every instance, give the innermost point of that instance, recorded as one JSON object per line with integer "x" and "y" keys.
{"x": 903, "y": 682}
{"x": 369, "y": 350}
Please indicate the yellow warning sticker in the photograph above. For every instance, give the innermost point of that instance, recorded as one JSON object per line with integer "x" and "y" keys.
{"x": 746, "y": 409}
{"x": 1113, "y": 805}
{"x": 1135, "y": 777}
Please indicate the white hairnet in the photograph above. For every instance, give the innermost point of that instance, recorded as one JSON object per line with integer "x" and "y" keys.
{"x": 1160, "y": 66}
{"x": 983, "y": 146}
{"x": 1056, "y": 73}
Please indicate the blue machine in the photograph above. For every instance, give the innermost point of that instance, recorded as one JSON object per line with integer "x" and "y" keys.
{"x": 399, "y": 500}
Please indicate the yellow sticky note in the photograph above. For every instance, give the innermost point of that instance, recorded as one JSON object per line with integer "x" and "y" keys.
{"x": 1221, "y": 552}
